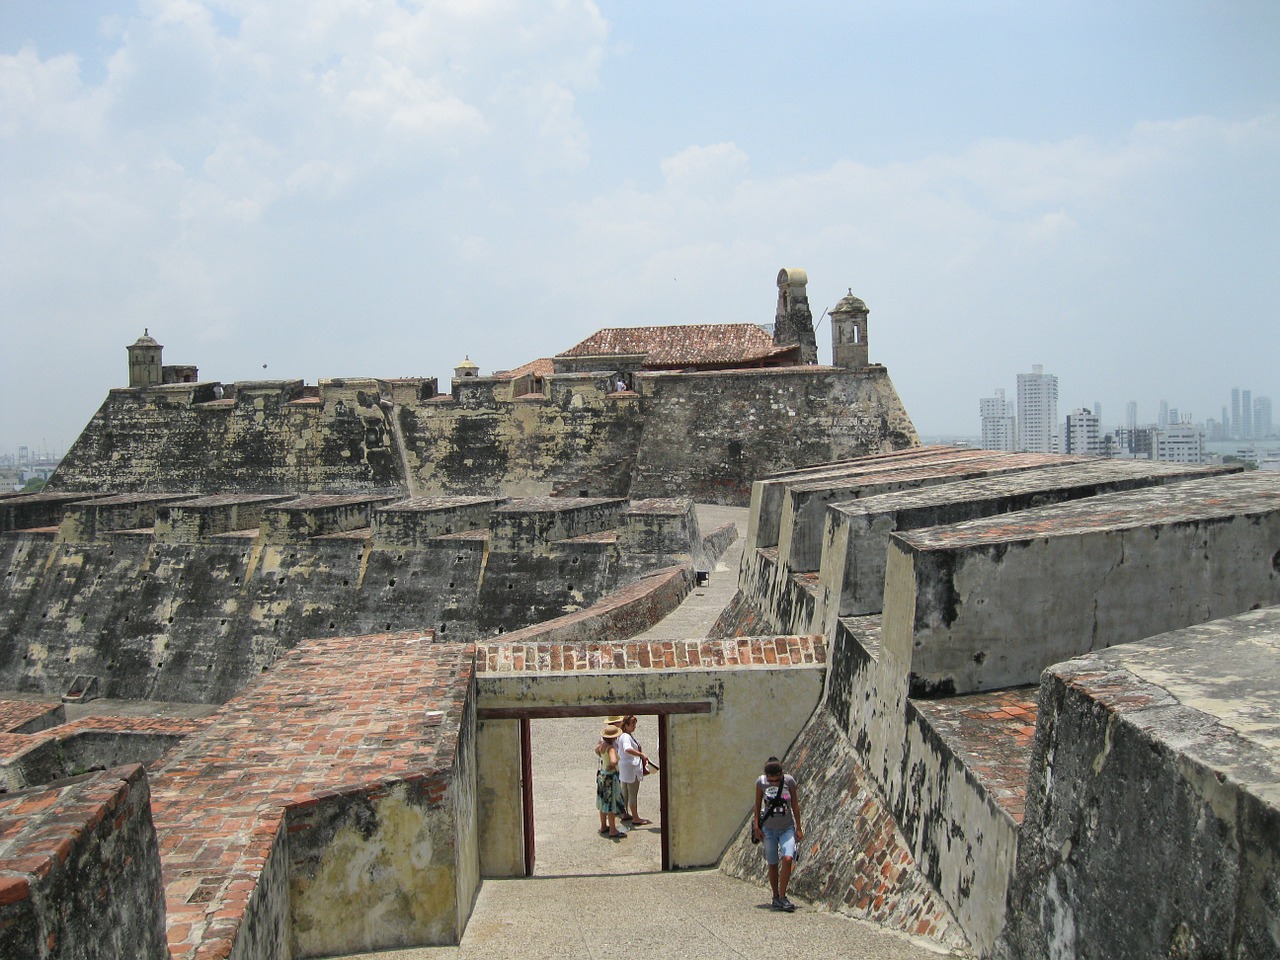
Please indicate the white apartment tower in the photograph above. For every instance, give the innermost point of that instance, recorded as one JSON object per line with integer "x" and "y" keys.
{"x": 999, "y": 425}
{"x": 1084, "y": 433}
{"x": 1038, "y": 411}
{"x": 1180, "y": 443}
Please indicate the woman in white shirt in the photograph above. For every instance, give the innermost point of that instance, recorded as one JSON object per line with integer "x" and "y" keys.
{"x": 632, "y": 766}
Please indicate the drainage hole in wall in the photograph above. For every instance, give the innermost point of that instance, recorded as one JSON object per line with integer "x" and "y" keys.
{"x": 391, "y": 582}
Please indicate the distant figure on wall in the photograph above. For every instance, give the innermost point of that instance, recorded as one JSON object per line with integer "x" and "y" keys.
{"x": 775, "y": 819}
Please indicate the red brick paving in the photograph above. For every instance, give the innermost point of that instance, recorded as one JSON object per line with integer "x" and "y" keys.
{"x": 991, "y": 734}
{"x": 337, "y": 715}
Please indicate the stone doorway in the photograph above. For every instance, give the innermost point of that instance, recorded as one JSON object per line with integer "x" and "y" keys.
{"x": 565, "y": 821}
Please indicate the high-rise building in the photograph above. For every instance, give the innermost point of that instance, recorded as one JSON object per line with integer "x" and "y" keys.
{"x": 1246, "y": 414}
{"x": 1172, "y": 417}
{"x": 1163, "y": 420}
{"x": 1262, "y": 427}
{"x": 1131, "y": 415}
{"x": 999, "y": 425}
{"x": 1234, "y": 426}
{"x": 1038, "y": 411}
{"x": 1083, "y": 433}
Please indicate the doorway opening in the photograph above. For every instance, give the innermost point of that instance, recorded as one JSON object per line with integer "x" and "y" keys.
{"x": 571, "y": 766}
{"x": 566, "y": 825}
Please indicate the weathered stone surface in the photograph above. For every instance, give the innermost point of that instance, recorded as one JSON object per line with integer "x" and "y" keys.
{"x": 1153, "y": 808}
{"x": 193, "y": 613}
{"x": 859, "y": 530}
{"x": 79, "y": 870}
{"x": 996, "y": 600}
{"x": 704, "y": 435}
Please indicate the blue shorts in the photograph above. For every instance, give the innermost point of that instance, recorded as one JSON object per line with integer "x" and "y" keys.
{"x": 779, "y": 841}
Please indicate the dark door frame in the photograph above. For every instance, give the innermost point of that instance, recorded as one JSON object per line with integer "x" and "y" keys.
{"x": 527, "y": 714}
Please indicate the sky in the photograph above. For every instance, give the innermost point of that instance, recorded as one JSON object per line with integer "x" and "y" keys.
{"x": 281, "y": 189}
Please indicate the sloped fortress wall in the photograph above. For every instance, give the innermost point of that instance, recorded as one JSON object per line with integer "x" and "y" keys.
{"x": 176, "y": 605}
{"x": 705, "y": 435}
{"x": 937, "y": 700}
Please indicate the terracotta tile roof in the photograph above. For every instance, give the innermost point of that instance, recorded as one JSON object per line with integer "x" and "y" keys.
{"x": 542, "y": 367}
{"x": 682, "y": 344}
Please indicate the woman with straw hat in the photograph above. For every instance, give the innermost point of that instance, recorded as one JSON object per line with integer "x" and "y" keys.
{"x": 608, "y": 788}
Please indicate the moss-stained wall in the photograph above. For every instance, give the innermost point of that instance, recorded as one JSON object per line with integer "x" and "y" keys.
{"x": 194, "y": 619}
{"x": 705, "y": 435}
{"x": 709, "y": 435}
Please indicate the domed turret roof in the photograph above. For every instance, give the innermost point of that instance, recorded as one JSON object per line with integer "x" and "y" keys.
{"x": 467, "y": 364}
{"x": 145, "y": 340}
{"x": 850, "y": 304}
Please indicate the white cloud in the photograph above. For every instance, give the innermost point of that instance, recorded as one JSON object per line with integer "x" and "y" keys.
{"x": 369, "y": 187}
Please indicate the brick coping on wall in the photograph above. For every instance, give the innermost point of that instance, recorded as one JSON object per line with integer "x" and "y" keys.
{"x": 341, "y": 715}
{"x": 760, "y": 652}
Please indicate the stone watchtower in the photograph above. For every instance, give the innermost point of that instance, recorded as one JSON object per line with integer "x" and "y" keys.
{"x": 793, "y": 323}
{"x": 145, "y": 369}
{"x": 849, "y": 333}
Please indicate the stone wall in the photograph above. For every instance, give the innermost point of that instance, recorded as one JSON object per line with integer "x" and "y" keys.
{"x": 701, "y": 435}
{"x": 708, "y": 436}
{"x": 79, "y": 870}
{"x": 174, "y": 613}
{"x": 995, "y": 601}
{"x": 1153, "y": 827}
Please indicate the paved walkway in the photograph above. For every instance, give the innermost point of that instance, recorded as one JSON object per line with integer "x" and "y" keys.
{"x": 595, "y": 898}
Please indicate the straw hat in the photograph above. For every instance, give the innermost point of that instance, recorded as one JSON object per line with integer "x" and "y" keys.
{"x": 610, "y": 732}
{"x": 616, "y": 721}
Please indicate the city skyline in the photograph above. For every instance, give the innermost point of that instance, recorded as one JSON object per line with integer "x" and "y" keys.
{"x": 1246, "y": 418}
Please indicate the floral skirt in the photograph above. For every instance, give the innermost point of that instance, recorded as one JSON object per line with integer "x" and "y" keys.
{"x": 609, "y": 793}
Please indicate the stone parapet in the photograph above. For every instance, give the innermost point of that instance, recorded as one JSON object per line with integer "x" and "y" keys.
{"x": 804, "y": 509}
{"x": 532, "y": 525}
{"x": 1153, "y": 808}
{"x": 79, "y": 871}
{"x": 315, "y": 516}
{"x": 411, "y": 523}
{"x": 190, "y": 521}
{"x": 992, "y": 602}
{"x": 857, "y": 532}
{"x": 88, "y": 520}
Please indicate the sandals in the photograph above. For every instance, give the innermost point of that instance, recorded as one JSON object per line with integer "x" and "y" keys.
{"x": 641, "y": 822}
{"x": 616, "y": 836}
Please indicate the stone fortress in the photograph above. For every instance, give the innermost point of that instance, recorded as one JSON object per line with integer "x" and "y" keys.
{"x": 1030, "y": 699}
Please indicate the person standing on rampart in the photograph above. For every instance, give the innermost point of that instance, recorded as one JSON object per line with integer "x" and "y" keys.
{"x": 775, "y": 819}
{"x": 608, "y": 788}
{"x": 633, "y": 764}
